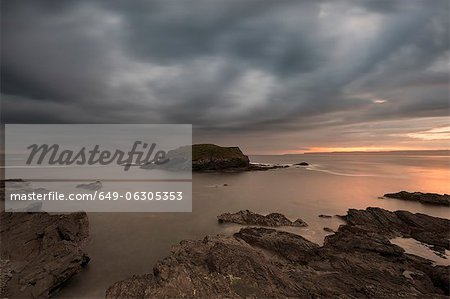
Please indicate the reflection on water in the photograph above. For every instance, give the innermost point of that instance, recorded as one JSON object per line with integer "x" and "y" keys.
{"x": 415, "y": 247}
{"x": 124, "y": 244}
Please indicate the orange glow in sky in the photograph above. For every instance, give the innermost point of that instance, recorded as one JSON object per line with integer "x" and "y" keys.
{"x": 356, "y": 149}
{"x": 351, "y": 149}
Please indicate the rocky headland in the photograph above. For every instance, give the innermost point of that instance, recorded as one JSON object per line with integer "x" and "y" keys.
{"x": 358, "y": 261}
{"x": 425, "y": 198}
{"x": 40, "y": 252}
{"x": 213, "y": 157}
{"x": 209, "y": 158}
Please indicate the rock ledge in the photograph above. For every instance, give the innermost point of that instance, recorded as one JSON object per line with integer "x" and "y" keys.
{"x": 40, "y": 252}
{"x": 425, "y": 198}
{"x": 247, "y": 217}
{"x": 356, "y": 262}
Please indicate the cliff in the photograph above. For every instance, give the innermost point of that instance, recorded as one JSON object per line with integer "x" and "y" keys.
{"x": 216, "y": 158}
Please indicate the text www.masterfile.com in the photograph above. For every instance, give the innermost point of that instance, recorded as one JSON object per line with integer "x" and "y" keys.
{"x": 102, "y": 195}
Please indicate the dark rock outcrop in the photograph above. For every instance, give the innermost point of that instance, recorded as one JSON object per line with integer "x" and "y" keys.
{"x": 97, "y": 185}
{"x": 426, "y": 229}
{"x": 425, "y": 198}
{"x": 262, "y": 167}
{"x": 40, "y": 252}
{"x": 328, "y": 230}
{"x": 325, "y": 216}
{"x": 203, "y": 157}
{"x": 211, "y": 157}
{"x": 302, "y": 164}
{"x": 288, "y": 245}
{"x": 247, "y": 217}
{"x": 356, "y": 262}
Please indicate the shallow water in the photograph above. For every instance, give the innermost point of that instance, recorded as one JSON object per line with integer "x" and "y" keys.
{"x": 123, "y": 244}
{"x": 415, "y": 247}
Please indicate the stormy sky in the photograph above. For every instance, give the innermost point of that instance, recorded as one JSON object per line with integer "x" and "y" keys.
{"x": 269, "y": 76}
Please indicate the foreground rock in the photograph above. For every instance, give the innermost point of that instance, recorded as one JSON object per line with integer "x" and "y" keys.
{"x": 426, "y": 229}
{"x": 247, "y": 217}
{"x": 355, "y": 262}
{"x": 40, "y": 252}
{"x": 425, "y": 198}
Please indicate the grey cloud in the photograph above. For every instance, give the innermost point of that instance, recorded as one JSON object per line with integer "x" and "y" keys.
{"x": 229, "y": 66}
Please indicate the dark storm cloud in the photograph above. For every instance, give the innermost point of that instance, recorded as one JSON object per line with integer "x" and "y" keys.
{"x": 258, "y": 34}
{"x": 224, "y": 65}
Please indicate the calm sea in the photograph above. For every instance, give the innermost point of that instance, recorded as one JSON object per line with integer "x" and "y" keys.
{"x": 123, "y": 244}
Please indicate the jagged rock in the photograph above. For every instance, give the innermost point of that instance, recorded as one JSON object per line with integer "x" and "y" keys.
{"x": 356, "y": 262}
{"x": 97, "y": 185}
{"x": 263, "y": 167}
{"x": 247, "y": 217}
{"x": 133, "y": 287}
{"x": 427, "y": 229}
{"x": 353, "y": 238}
{"x": 5, "y": 276}
{"x": 40, "y": 252}
{"x": 299, "y": 223}
{"x": 324, "y": 216}
{"x": 425, "y": 198}
{"x": 285, "y": 244}
{"x": 32, "y": 207}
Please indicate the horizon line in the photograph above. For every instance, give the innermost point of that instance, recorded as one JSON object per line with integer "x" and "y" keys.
{"x": 359, "y": 152}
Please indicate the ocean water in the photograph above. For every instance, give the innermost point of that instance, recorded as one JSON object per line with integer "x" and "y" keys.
{"x": 123, "y": 244}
